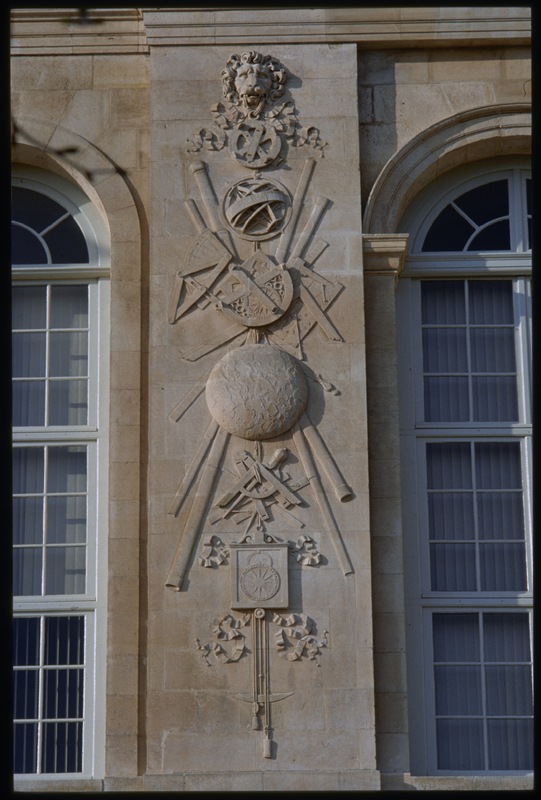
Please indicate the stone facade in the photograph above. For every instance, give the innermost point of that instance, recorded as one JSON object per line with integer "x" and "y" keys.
{"x": 236, "y": 227}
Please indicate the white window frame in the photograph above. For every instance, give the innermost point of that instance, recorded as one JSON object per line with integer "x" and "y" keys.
{"x": 420, "y": 601}
{"x": 94, "y": 436}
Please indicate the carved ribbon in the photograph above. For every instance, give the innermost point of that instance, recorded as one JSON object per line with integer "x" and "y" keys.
{"x": 226, "y": 627}
{"x": 213, "y": 553}
{"x": 297, "y": 628}
{"x": 306, "y": 551}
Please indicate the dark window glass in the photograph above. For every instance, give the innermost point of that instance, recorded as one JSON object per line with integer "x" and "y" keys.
{"x": 67, "y": 243}
{"x": 26, "y": 641}
{"x": 25, "y": 747}
{"x": 26, "y": 247}
{"x": 48, "y": 222}
{"x": 34, "y": 209}
{"x": 486, "y": 202}
{"x": 494, "y": 237}
{"x": 449, "y": 232}
{"x": 484, "y": 209}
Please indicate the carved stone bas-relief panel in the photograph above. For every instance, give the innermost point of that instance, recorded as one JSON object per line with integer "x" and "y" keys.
{"x": 268, "y": 302}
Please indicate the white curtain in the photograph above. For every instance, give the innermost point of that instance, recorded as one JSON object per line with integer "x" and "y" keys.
{"x": 483, "y": 694}
{"x": 469, "y": 362}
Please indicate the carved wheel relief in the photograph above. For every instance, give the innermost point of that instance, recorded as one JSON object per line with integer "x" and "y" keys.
{"x": 259, "y": 390}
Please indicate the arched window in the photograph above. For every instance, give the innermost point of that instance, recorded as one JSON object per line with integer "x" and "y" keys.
{"x": 59, "y": 341}
{"x": 464, "y": 313}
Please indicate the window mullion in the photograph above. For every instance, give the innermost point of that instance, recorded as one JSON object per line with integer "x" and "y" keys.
{"x": 518, "y": 213}
{"x": 475, "y": 498}
{"x": 41, "y": 689}
{"x": 522, "y": 313}
{"x": 47, "y": 353}
{"x": 483, "y": 690}
{"x": 468, "y": 349}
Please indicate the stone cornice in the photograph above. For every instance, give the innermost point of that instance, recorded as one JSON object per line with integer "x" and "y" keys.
{"x": 62, "y": 31}
{"x": 371, "y": 27}
{"x": 50, "y": 31}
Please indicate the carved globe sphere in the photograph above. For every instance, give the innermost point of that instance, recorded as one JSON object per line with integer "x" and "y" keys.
{"x": 257, "y": 392}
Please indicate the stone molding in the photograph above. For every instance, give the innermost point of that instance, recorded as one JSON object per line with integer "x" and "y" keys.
{"x": 372, "y": 27}
{"x": 50, "y": 31}
{"x": 467, "y": 136}
{"x": 384, "y": 254}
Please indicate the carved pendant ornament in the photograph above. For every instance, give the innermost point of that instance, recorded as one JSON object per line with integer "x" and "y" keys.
{"x": 259, "y": 389}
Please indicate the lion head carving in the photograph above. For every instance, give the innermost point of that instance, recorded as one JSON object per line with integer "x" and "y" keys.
{"x": 252, "y": 79}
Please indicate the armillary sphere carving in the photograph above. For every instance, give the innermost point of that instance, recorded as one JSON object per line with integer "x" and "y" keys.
{"x": 257, "y": 209}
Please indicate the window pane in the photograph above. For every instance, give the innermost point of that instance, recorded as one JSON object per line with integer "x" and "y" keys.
{"x": 446, "y": 399}
{"x": 503, "y": 567}
{"x": 69, "y": 307}
{"x": 511, "y": 744}
{"x": 500, "y": 515}
{"x": 25, "y": 694}
{"x": 67, "y": 243}
{"x": 68, "y": 354}
{"x": 491, "y": 302}
{"x": 25, "y": 748}
{"x": 29, "y": 310}
{"x": 496, "y": 236}
{"x": 460, "y": 744}
{"x": 34, "y": 209}
{"x": 28, "y": 403}
{"x": 44, "y": 215}
{"x": 28, "y": 465}
{"x": 65, "y": 570}
{"x": 66, "y": 519}
{"x": 458, "y": 690}
{"x": 493, "y": 350}
{"x": 64, "y": 641}
{"x": 27, "y": 569}
{"x": 507, "y": 637}
{"x": 450, "y": 515}
{"x": 26, "y": 641}
{"x": 509, "y": 690}
{"x": 444, "y": 350}
{"x": 498, "y": 465}
{"x": 63, "y": 693}
{"x": 67, "y": 469}
{"x": 449, "y": 231}
{"x": 68, "y": 402}
{"x": 27, "y": 520}
{"x": 443, "y": 302}
{"x": 495, "y": 399}
{"x": 486, "y": 202}
{"x": 28, "y": 354}
{"x": 453, "y": 568}
{"x": 449, "y": 465}
{"x": 26, "y": 247}
{"x": 456, "y": 637}
{"x": 62, "y": 747}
